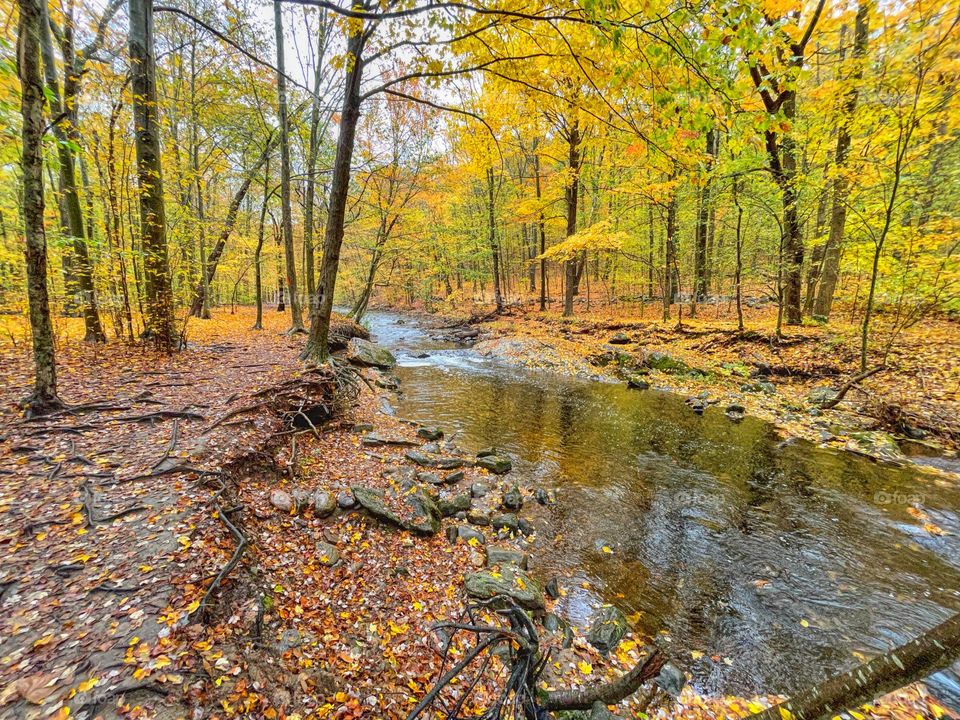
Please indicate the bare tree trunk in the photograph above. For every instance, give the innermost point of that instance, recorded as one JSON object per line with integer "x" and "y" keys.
{"x": 838, "y": 214}
{"x": 670, "y": 259}
{"x": 153, "y": 226}
{"x": 296, "y": 315}
{"x": 541, "y": 226}
{"x": 701, "y": 254}
{"x": 917, "y": 659}
{"x": 312, "y": 153}
{"x": 257, "y": 274}
{"x": 71, "y": 211}
{"x": 44, "y": 397}
{"x": 573, "y": 266}
{"x": 317, "y": 347}
{"x": 738, "y": 271}
{"x": 494, "y": 246}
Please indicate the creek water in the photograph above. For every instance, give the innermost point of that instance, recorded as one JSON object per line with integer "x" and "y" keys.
{"x": 780, "y": 562}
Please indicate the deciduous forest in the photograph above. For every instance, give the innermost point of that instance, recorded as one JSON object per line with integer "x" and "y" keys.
{"x": 511, "y": 360}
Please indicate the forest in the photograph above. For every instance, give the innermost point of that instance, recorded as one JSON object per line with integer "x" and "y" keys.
{"x": 499, "y": 359}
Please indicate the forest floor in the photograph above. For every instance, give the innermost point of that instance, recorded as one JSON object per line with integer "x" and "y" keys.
{"x": 158, "y": 560}
{"x": 909, "y": 411}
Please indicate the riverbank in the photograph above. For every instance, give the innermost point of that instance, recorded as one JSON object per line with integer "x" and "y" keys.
{"x": 246, "y": 580}
{"x": 906, "y": 413}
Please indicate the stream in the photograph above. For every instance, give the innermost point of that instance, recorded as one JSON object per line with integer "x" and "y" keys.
{"x": 781, "y": 562}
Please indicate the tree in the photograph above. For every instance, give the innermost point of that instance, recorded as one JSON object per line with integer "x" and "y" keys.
{"x": 153, "y": 228}
{"x": 44, "y": 397}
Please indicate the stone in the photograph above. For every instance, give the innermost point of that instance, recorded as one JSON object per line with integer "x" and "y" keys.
{"x": 506, "y": 556}
{"x": 671, "y": 679}
{"x": 735, "y": 408}
{"x": 323, "y": 503}
{"x": 512, "y": 499}
{"x": 551, "y": 623}
{"x": 374, "y": 502}
{"x": 479, "y": 490}
{"x": 637, "y": 382}
{"x": 478, "y": 516}
{"x": 281, "y": 500}
{"x": 430, "y": 478}
{"x": 544, "y": 497}
{"x": 362, "y": 427}
{"x": 301, "y": 499}
{"x": 346, "y": 500}
{"x": 434, "y": 461}
{"x": 664, "y": 362}
{"x": 430, "y": 433}
{"x": 289, "y": 640}
{"x": 374, "y": 439}
{"x": 598, "y": 711}
{"x": 511, "y": 582}
{"x": 768, "y": 387}
{"x": 525, "y": 527}
{"x": 486, "y": 452}
{"x": 620, "y": 339}
{"x": 496, "y": 464}
{"x": 368, "y": 354}
{"x": 387, "y": 382}
{"x": 552, "y": 588}
{"x": 327, "y": 554}
{"x": 466, "y": 533}
{"x": 607, "y": 630}
{"x": 455, "y": 477}
{"x": 425, "y": 515}
{"x": 821, "y": 395}
{"x": 505, "y": 521}
{"x": 451, "y": 506}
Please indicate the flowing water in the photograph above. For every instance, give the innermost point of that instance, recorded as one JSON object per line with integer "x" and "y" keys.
{"x": 781, "y": 562}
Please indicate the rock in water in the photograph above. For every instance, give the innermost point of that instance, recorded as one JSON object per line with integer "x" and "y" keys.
{"x": 282, "y": 501}
{"x": 497, "y": 556}
{"x": 324, "y": 503}
{"x": 607, "y": 630}
{"x": 511, "y": 582}
{"x": 430, "y": 433}
{"x": 327, "y": 554}
{"x": 496, "y": 464}
{"x": 637, "y": 382}
{"x": 512, "y": 499}
{"x": 368, "y": 354}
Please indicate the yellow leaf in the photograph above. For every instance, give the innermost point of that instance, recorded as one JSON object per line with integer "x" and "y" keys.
{"x": 585, "y": 667}
{"x": 805, "y": 623}
{"x": 87, "y": 684}
{"x": 607, "y": 550}
{"x": 696, "y": 654}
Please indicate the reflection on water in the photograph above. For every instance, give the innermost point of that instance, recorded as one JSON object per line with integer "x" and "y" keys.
{"x": 783, "y": 558}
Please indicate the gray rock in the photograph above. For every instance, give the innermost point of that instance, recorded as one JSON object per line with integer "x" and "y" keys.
{"x": 368, "y": 354}
{"x": 374, "y": 439}
{"x": 525, "y": 527}
{"x": 478, "y": 516}
{"x": 637, "y": 382}
{"x": 434, "y": 461}
{"x": 496, "y": 464}
{"x": 512, "y": 499}
{"x": 282, "y": 501}
{"x": 430, "y": 478}
{"x": 479, "y": 490}
{"x": 290, "y": 639}
{"x": 387, "y": 382}
{"x": 486, "y": 452}
{"x": 465, "y": 533}
{"x": 511, "y": 582}
{"x": 671, "y": 679}
{"x": 665, "y": 362}
{"x": 598, "y": 711}
{"x": 506, "y": 556}
{"x": 362, "y": 427}
{"x": 620, "y": 339}
{"x": 821, "y": 395}
{"x": 451, "y": 506}
{"x": 505, "y": 521}
{"x": 327, "y": 554}
{"x": 374, "y": 502}
{"x": 430, "y": 433}
{"x": 425, "y": 515}
{"x": 455, "y": 477}
{"x": 768, "y": 387}
{"x": 552, "y": 588}
{"x": 607, "y": 630}
{"x": 545, "y": 497}
{"x": 323, "y": 503}
{"x": 346, "y": 500}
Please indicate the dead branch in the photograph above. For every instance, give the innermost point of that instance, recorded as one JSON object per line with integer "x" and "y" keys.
{"x": 847, "y": 386}
{"x": 225, "y": 570}
{"x": 608, "y": 693}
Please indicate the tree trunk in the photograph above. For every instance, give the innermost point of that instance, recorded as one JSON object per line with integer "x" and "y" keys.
{"x": 494, "y": 246}
{"x": 317, "y": 347}
{"x": 257, "y": 274}
{"x": 153, "y": 227}
{"x": 573, "y": 266}
{"x": 296, "y": 316}
{"x": 541, "y": 226}
{"x": 44, "y": 397}
{"x": 917, "y": 659}
{"x": 312, "y": 153}
{"x": 838, "y": 214}
{"x": 71, "y": 214}
{"x": 701, "y": 254}
{"x": 670, "y": 259}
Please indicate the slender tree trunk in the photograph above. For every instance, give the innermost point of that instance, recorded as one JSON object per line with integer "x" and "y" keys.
{"x": 71, "y": 214}
{"x": 494, "y": 246}
{"x": 573, "y": 266}
{"x": 738, "y": 270}
{"x": 701, "y": 254}
{"x": 317, "y": 347}
{"x": 296, "y": 315}
{"x": 915, "y": 660}
{"x": 542, "y": 228}
{"x": 257, "y": 268}
{"x": 838, "y": 214}
{"x": 44, "y": 397}
{"x": 153, "y": 227}
{"x": 312, "y": 153}
{"x": 670, "y": 259}
{"x": 650, "y": 247}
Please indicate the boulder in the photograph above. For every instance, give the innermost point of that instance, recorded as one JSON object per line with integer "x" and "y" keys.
{"x": 821, "y": 395}
{"x": 505, "y": 521}
{"x": 496, "y": 464}
{"x": 455, "y": 477}
{"x": 467, "y": 533}
{"x": 525, "y": 527}
{"x": 607, "y": 630}
{"x": 387, "y": 382}
{"x": 637, "y": 382}
{"x": 545, "y": 497}
{"x": 374, "y": 502}
{"x": 375, "y": 439}
{"x": 506, "y": 556}
{"x": 282, "y": 501}
{"x": 368, "y": 354}
{"x": 486, "y": 452}
{"x": 510, "y": 582}
{"x": 478, "y": 516}
{"x": 434, "y": 461}
{"x": 324, "y": 503}
{"x": 327, "y": 554}
{"x": 430, "y": 433}
{"x": 620, "y": 339}
{"x": 512, "y": 499}
{"x": 664, "y": 362}
{"x": 479, "y": 490}
{"x": 451, "y": 506}
{"x": 346, "y": 500}
{"x": 424, "y": 517}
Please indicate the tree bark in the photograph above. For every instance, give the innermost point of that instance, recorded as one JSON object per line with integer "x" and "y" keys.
{"x": 44, "y": 397}
{"x": 917, "y": 659}
{"x": 541, "y": 227}
{"x": 317, "y": 347}
{"x": 608, "y": 693}
{"x": 312, "y": 153}
{"x": 296, "y": 315}
{"x": 574, "y": 266}
{"x": 153, "y": 226}
{"x": 701, "y": 254}
{"x": 494, "y": 246}
{"x": 838, "y": 214}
